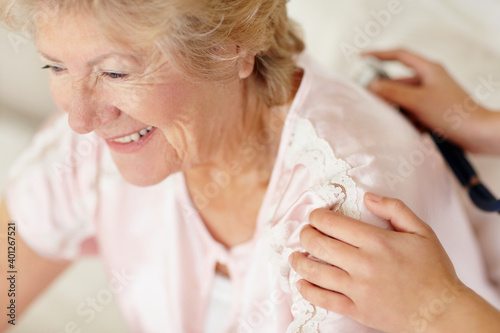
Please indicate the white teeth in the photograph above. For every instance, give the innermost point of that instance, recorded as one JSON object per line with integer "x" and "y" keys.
{"x": 125, "y": 139}
{"x": 134, "y": 136}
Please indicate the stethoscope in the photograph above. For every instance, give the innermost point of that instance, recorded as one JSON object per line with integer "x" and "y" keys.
{"x": 466, "y": 175}
{"x": 456, "y": 160}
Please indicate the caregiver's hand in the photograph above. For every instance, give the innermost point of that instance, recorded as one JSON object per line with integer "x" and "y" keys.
{"x": 394, "y": 281}
{"x": 439, "y": 103}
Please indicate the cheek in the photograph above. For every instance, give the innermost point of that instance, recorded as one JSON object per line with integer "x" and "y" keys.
{"x": 160, "y": 105}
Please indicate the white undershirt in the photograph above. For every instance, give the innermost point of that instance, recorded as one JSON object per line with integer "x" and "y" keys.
{"x": 219, "y": 304}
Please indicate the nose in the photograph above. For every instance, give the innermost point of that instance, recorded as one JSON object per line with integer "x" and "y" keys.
{"x": 88, "y": 110}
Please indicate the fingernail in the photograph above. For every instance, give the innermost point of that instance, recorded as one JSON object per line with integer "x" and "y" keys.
{"x": 290, "y": 258}
{"x": 373, "y": 197}
{"x": 299, "y": 285}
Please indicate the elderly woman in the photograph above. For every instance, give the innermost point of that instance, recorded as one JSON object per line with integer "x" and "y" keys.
{"x": 198, "y": 143}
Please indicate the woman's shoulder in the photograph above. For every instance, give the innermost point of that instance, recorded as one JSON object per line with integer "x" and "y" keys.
{"x": 342, "y": 142}
{"x": 347, "y": 115}
{"x": 50, "y": 189}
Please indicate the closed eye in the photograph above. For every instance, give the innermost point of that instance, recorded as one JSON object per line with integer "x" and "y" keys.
{"x": 54, "y": 69}
{"x": 113, "y": 75}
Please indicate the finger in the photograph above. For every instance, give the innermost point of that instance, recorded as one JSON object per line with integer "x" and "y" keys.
{"x": 344, "y": 228}
{"x": 323, "y": 247}
{"x": 412, "y": 81}
{"x": 326, "y": 299}
{"x": 421, "y": 65}
{"x": 402, "y": 94}
{"x": 397, "y": 213}
{"x": 321, "y": 274}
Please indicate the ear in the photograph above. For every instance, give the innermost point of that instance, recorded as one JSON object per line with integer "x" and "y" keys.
{"x": 246, "y": 63}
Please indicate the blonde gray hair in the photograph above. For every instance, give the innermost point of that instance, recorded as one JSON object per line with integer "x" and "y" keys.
{"x": 195, "y": 35}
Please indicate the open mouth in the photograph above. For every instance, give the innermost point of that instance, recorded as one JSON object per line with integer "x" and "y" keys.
{"x": 132, "y": 142}
{"x": 134, "y": 136}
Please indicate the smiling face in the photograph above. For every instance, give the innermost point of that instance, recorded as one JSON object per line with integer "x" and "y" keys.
{"x": 154, "y": 120}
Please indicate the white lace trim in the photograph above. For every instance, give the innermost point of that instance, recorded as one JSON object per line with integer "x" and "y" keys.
{"x": 332, "y": 184}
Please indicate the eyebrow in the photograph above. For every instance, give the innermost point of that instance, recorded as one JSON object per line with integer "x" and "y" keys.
{"x": 95, "y": 60}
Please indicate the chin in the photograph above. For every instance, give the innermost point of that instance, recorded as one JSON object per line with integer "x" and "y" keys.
{"x": 145, "y": 173}
{"x": 142, "y": 180}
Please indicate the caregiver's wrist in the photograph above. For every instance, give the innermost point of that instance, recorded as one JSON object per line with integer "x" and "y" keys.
{"x": 485, "y": 131}
{"x": 466, "y": 312}
{"x": 448, "y": 308}
{"x": 477, "y": 132}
